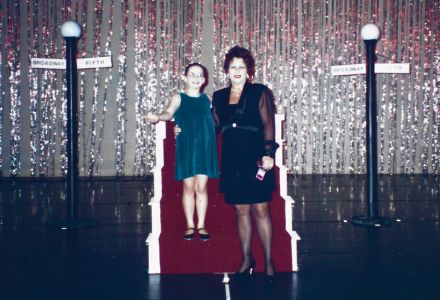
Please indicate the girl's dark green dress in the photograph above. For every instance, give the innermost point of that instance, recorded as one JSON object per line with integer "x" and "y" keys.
{"x": 196, "y": 148}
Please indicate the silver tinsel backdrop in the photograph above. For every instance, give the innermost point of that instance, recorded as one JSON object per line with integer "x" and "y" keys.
{"x": 295, "y": 43}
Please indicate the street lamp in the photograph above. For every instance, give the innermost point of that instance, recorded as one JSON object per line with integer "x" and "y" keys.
{"x": 370, "y": 34}
{"x": 70, "y": 29}
{"x": 71, "y": 32}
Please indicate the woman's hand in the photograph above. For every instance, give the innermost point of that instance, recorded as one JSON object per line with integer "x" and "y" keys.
{"x": 267, "y": 163}
{"x": 177, "y": 130}
{"x": 152, "y": 118}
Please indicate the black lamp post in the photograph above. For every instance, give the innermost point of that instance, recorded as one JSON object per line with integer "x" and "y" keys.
{"x": 71, "y": 32}
{"x": 370, "y": 34}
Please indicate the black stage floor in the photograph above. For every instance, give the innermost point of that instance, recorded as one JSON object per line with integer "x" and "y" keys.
{"x": 336, "y": 259}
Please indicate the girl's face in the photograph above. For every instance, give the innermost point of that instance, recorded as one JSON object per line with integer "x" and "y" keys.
{"x": 237, "y": 71}
{"x": 194, "y": 78}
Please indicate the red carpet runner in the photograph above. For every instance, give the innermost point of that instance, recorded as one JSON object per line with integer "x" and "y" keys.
{"x": 222, "y": 252}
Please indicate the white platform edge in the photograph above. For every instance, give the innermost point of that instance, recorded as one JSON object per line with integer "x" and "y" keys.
{"x": 289, "y": 202}
{"x": 152, "y": 240}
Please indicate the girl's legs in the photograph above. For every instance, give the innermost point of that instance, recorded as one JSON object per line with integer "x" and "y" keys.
{"x": 244, "y": 224}
{"x": 265, "y": 232}
{"x": 188, "y": 202}
{"x": 201, "y": 191}
{"x": 195, "y": 196}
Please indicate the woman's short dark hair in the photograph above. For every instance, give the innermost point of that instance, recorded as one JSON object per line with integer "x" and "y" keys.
{"x": 204, "y": 70}
{"x": 245, "y": 54}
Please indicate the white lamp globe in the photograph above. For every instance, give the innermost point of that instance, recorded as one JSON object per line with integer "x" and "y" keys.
{"x": 70, "y": 29}
{"x": 370, "y": 32}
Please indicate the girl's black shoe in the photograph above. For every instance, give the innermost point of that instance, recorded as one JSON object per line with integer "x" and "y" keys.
{"x": 189, "y": 235}
{"x": 203, "y": 236}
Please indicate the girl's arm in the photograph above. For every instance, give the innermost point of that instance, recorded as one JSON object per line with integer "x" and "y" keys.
{"x": 168, "y": 113}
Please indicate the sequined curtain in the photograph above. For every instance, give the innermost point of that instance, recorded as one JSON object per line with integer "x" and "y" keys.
{"x": 295, "y": 43}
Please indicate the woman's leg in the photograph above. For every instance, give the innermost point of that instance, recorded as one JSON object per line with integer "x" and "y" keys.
{"x": 244, "y": 224}
{"x": 263, "y": 222}
{"x": 188, "y": 201}
{"x": 201, "y": 190}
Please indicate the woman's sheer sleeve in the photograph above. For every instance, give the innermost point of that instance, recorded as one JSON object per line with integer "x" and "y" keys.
{"x": 267, "y": 113}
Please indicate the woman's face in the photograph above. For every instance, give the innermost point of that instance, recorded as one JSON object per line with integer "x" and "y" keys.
{"x": 237, "y": 71}
{"x": 194, "y": 78}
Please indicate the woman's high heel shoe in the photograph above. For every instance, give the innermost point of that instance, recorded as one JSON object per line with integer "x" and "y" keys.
{"x": 270, "y": 278}
{"x": 250, "y": 268}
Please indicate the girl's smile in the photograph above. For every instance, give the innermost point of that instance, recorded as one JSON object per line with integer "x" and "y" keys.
{"x": 194, "y": 78}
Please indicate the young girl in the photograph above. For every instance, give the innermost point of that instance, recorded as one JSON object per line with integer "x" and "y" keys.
{"x": 196, "y": 150}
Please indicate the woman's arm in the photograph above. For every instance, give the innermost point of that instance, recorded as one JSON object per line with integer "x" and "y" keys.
{"x": 167, "y": 114}
{"x": 267, "y": 112}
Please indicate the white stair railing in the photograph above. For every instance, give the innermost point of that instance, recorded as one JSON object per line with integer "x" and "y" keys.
{"x": 153, "y": 237}
{"x": 289, "y": 202}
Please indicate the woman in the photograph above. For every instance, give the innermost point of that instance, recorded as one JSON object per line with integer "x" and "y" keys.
{"x": 245, "y": 115}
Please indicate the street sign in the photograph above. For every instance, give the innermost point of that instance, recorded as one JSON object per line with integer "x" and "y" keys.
{"x": 357, "y": 69}
{"x": 82, "y": 63}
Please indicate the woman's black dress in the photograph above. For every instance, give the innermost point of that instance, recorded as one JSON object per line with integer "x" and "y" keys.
{"x": 248, "y": 130}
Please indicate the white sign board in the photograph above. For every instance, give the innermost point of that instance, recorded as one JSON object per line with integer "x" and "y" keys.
{"x": 356, "y": 69}
{"x": 402, "y": 68}
{"x": 82, "y": 63}
{"x": 48, "y": 63}
{"x": 348, "y": 70}
{"x": 94, "y": 62}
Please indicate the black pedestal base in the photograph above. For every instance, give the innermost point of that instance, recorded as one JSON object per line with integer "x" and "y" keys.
{"x": 371, "y": 222}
